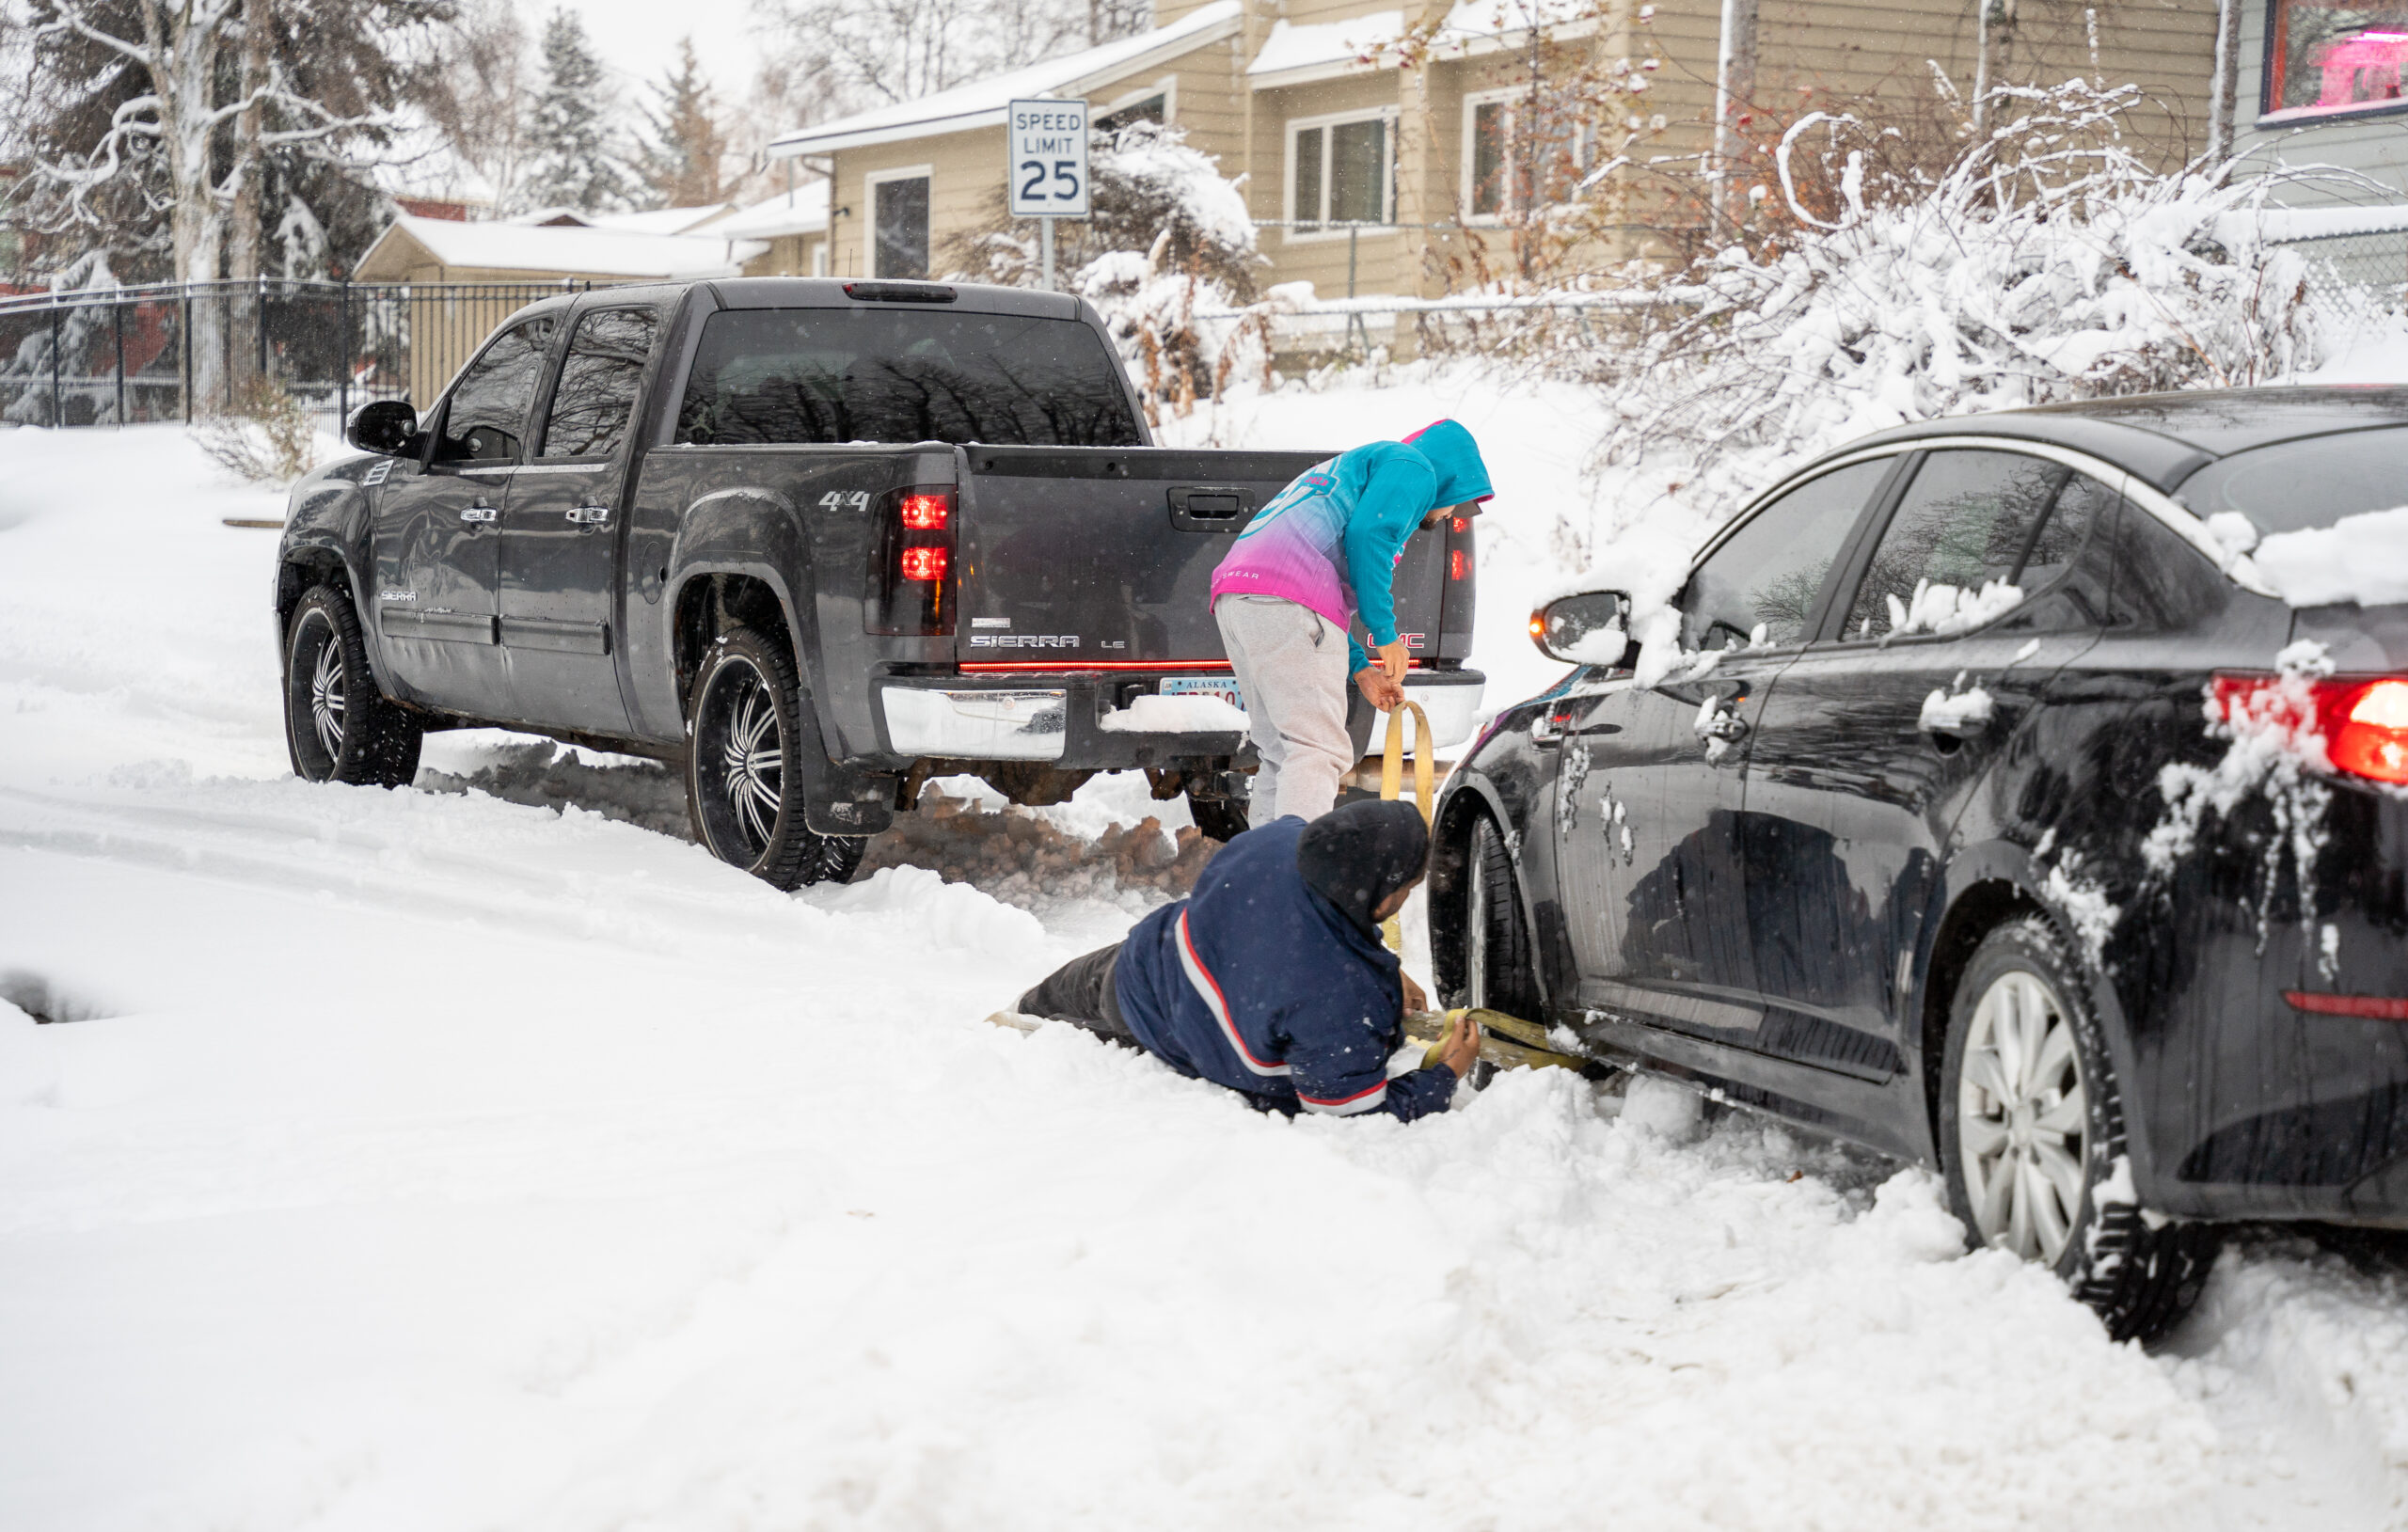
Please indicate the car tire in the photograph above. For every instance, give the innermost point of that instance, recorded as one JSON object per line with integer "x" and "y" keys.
{"x": 2031, "y": 1137}
{"x": 337, "y": 726}
{"x": 1497, "y": 969}
{"x": 747, "y": 726}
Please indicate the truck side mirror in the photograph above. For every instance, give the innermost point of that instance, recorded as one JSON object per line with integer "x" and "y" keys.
{"x": 1589, "y": 628}
{"x": 384, "y": 426}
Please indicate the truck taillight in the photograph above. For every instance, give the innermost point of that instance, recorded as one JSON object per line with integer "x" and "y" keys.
{"x": 914, "y": 584}
{"x": 1457, "y": 564}
{"x": 2364, "y": 723}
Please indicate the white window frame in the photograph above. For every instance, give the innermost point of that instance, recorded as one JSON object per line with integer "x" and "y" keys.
{"x": 819, "y": 257}
{"x": 1584, "y": 151}
{"x": 1295, "y": 125}
{"x": 1166, "y": 87}
{"x": 871, "y": 181}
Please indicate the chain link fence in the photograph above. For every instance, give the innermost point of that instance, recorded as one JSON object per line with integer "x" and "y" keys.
{"x": 181, "y": 351}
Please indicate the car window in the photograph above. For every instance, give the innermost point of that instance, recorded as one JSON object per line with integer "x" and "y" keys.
{"x": 775, "y": 375}
{"x": 595, "y": 400}
{"x": 1965, "y": 524}
{"x": 2295, "y": 485}
{"x": 488, "y": 410}
{"x": 1759, "y": 586}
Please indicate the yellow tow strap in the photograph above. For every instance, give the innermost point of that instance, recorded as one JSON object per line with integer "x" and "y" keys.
{"x": 1392, "y": 783}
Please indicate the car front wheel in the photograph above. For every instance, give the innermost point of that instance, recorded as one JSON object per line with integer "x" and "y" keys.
{"x": 744, "y": 779}
{"x": 2031, "y": 1137}
{"x": 338, "y": 727}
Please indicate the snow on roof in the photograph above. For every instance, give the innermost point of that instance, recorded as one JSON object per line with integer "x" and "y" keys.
{"x": 982, "y": 102}
{"x": 804, "y": 212}
{"x": 1294, "y": 53}
{"x": 2279, "y": 224}
{"x": 662, "y": 220}
{"x": 595, "y": 252}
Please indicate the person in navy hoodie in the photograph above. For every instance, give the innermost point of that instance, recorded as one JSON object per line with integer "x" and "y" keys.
{"x": 1270, "y": 977}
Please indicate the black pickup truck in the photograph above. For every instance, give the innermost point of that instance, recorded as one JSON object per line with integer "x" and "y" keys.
{"x": 816, "y": 541}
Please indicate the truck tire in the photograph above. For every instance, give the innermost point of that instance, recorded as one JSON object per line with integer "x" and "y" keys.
{"x": 2031, "y": 1137}
{"x": 338, "y": 727}
{"x": 744, "y": 777}
{"x": 1497, "y": 970}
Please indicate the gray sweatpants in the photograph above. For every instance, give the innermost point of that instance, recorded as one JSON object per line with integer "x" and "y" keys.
{"x": 1290, "y": 664}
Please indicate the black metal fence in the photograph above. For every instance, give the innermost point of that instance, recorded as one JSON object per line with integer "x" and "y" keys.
{"x": 174, "y": 352}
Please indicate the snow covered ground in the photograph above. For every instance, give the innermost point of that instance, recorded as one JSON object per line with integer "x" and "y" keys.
{"x": 429, "y": 1160}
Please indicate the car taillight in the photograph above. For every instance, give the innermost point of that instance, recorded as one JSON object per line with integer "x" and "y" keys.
{"x": 2363, "y": 723}
{"x": 912, "y": 583}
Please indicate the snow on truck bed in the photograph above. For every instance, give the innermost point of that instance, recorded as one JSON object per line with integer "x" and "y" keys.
{"x": 426, "y": 1160}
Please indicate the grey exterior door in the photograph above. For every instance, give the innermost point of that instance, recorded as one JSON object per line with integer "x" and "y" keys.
{"x": 562, "y": 533}
{"x": 437, "y": 528}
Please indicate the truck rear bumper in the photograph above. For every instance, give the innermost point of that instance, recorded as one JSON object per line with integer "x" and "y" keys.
{"x": 1059, "y": 721}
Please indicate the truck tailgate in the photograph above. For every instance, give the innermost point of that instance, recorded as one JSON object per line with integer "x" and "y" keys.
{"x": 1092, "y": 558}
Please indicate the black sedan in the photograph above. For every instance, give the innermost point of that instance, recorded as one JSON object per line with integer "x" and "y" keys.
{"x": 1996, "y": 810}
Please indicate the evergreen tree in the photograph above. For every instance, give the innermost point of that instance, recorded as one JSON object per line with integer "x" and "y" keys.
{"x": 576, "y": 160}
{"x": 681, "y": 165}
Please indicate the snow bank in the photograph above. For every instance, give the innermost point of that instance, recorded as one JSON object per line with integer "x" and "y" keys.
{"x": 1157, "y": 714}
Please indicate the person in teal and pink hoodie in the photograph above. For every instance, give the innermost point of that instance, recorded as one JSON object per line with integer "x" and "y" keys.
{"x": 1287, "y": 594}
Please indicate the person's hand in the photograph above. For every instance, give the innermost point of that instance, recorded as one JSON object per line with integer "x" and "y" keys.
{"x": 1378, "y": 689}
{"x": 1395, "y": 658}
{"x": 1416, "y": 998}
{"x": 1460, "y": 1049}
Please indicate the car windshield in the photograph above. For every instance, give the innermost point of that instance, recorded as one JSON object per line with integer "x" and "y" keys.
{"x": 778, "y": 376}
{"x": 2294, "y": 486}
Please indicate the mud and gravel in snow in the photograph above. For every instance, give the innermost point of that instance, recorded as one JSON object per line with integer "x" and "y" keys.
{"x": 485, "y": 1155}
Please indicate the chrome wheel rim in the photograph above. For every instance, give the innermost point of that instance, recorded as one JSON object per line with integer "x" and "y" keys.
{"x": 1476, "y": 921}
{"x": 2022, "y": 1118}
{"x": 741, "y": 750}
{"x": 327, "y": 698}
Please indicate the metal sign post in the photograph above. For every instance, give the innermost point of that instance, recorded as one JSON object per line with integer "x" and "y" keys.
{"x": 1045, "y": 166}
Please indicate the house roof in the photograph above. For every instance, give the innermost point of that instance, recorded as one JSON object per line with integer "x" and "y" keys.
{"x": 586, "y": 252}
{"x": 1297, "y": 54}
{"x": 804, "y": 212}
{"x": 983, "y": 102}
{"x": 652, "y": 221}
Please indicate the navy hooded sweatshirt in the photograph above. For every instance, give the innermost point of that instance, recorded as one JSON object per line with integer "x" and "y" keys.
{"x": 1256, "y": 982}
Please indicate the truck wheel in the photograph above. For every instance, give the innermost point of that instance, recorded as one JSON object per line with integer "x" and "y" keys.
{"x": 1497, "y": 964}
{"x": 744, "y": 779}
{"x": 338, "y": 727}
{"x": 1222, "y": 819}
{"x": 2031, "y": 1137}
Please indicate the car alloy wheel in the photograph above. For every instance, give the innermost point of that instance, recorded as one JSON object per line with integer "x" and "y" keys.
{"x": 2022, "y": 1119}
{"x": 327, "y": 690}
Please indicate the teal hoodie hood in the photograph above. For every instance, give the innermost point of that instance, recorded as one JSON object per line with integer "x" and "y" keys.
{"x": 1449, "y": 448}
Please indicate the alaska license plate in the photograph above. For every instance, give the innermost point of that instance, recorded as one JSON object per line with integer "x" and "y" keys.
{"x": 1223, "y": 686}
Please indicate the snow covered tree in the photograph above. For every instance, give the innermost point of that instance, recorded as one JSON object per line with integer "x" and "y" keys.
{"x": 682, "y": 163}
{"x": 870, "y": 52}
{"x": 479, "y": 109}
{"x": 577, "y": 158}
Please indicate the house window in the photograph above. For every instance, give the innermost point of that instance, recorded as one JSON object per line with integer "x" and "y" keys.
{"x": 2335, "y": 55}
{"x": 819, "y": 259}
{"x": 899, "y": 223}
{"x": 1340, "y": 169}
{"x": 1147, "y": 104}
{"x": 1513, "y": 160}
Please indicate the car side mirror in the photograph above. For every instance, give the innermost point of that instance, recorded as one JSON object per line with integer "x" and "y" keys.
{"x": 385, "y": 426}
{"x": 1589, "y": 628}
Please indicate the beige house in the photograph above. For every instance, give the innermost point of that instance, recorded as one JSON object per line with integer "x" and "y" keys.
{"x": 1404, "y": 118}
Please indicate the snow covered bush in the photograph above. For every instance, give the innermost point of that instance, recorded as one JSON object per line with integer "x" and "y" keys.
{"x": 267, "y": 438}
{"x": 2047, "y": 261}
{"x": 1169, "y": 235}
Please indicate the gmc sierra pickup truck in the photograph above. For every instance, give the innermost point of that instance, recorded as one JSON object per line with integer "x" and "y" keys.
{"x": 814, "y": 541}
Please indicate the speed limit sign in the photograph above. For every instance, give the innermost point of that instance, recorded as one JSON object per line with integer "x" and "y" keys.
{"x": 1047, "y": 159}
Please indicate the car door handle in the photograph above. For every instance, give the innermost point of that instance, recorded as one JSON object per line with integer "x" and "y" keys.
{"x": 590, "y": 516}
{"x": 479, "y": 515}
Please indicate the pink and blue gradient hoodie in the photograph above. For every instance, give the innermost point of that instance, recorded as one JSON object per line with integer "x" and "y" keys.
{"x": 1333, "y": 537}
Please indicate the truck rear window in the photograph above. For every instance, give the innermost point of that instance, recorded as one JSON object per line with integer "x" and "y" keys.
{"x": 775, "y": 375}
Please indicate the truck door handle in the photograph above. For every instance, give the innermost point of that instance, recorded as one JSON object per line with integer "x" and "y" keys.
{"x": 479, "y": 515}
{"x": 590, "y": 516}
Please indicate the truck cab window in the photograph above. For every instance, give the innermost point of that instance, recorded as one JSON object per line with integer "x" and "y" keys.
{"x": 765, "y": 376}
{"x": 487, "y": 414}
{"x": 1758, "y": 588}
{"x": 596, "y": 401}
